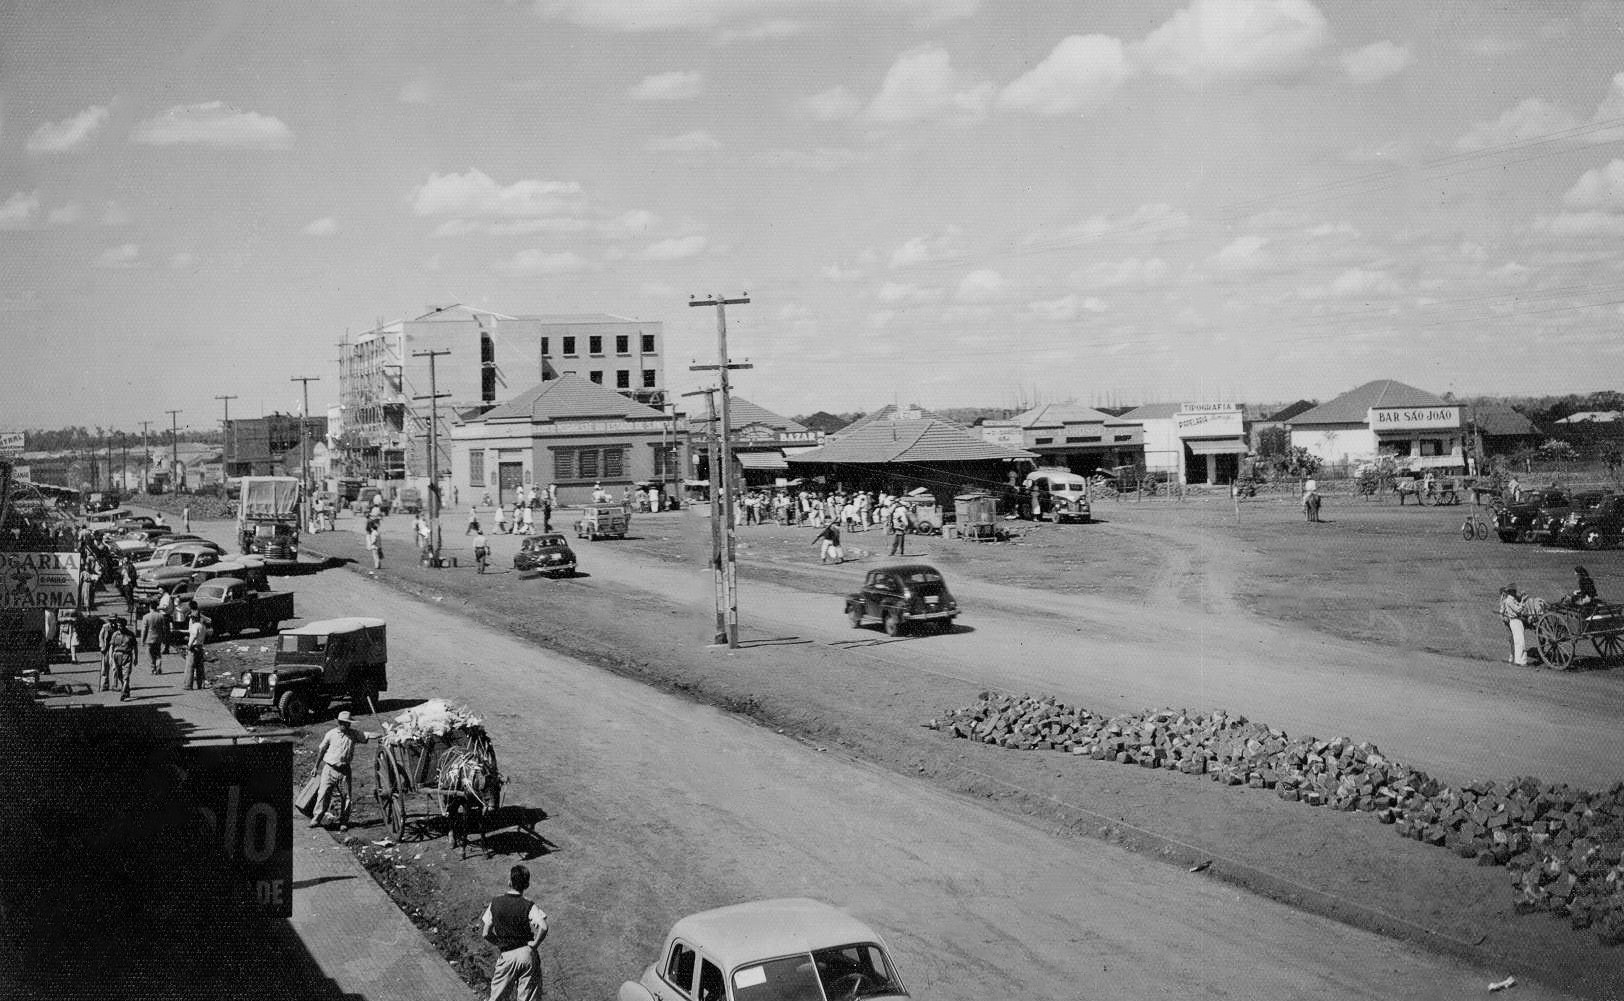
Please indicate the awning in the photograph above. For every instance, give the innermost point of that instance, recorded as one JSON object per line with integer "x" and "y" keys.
{"x": 761, "y": 460}
{"x": 1217, "y": 446}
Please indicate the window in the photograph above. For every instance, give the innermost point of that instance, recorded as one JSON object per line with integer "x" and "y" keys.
{"x": 544, "y": 351}
{"x": 569, "y": 345}
{"x": 476, "y": 467}
{"x": 596, "y": 377}
{"x": 586, "y": 461}
{"x": 679, "y": 969}
{"x": 623, "y": 344}
{"x": 665, "y": 461}
{"x": 648, "y": 344}
{"x": 1432, "y": 446}
{"x": 614, "y": 463}
{"x": 594, "y": 345}
{"x": 710, "y": 982}
{"x": 1082, "y": 438}
{"x": 648, "y": 378}
{"x": 564, "y": 464}
{"x": 1123, "y": 437}
{"x": 1043, "y": 441}
{"x": 623, "y": 379}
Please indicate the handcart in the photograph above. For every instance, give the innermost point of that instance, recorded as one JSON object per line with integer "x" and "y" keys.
{"x": 1561, "y": 626}
{"x": 977, "y": 516}
{"x": 449, "y": 761}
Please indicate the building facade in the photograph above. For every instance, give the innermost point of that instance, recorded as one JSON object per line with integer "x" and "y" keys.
{"x": 1193, "y": 443}
{"x": 270, "y": 445}
{"x": 1072, "y": 437}
{"x": 1385, "y": 418}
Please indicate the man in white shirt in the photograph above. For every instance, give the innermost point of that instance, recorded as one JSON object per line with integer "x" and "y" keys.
{"x": 333, "y": 757}
{"x": 516, "y": 926}
{"x": 197, "y": 633}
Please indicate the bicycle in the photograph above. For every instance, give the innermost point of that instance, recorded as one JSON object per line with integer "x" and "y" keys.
{"x": 1474, "y": 527}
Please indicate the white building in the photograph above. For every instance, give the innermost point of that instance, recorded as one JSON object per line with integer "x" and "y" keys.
{"x": 1385, "y": 418}
{"x": 1193, "y": 442}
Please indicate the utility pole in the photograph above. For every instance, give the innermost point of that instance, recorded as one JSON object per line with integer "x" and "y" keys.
{"x": 715, "y": 515}
{"x": 730, "y": 569}
{"x": 174, "y": 436}
{"x": 434, "y": 451}
{"x": 146, "y": 449}
{"x": 225, "y": 429}
{"x": 304, "y": 442}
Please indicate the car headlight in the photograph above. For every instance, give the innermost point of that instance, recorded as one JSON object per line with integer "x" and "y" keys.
{"x": 247, "y": 678}
{"x": 271, "y": 681}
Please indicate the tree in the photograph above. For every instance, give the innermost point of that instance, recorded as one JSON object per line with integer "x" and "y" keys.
{"x": 1555, "y": 450}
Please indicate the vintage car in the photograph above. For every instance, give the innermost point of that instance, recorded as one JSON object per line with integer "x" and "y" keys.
{"x": 898, "y": 595}
{"x": 409, "y": 500}
{"x": 549, "y": 553}
{"x": 182, "y": 581}
{"x": 1513, "y": 521}
{"x": 1596, "y": 527}
{"x": 365, "y": 497}
{"x": 1061, "y": 495}
{"x": 99, "y": 520}
{"x": 603, "y": 520}
{"x": 186, "y": 552}
{"x": 136, "y": 550}
{"x": 1548, "y": 521}
{"x": 232, "y": 607}
{"x": 317, "y": 664}
{"x": 794, "y": 949}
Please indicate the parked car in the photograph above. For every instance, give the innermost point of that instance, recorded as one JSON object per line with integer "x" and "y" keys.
{"x": 188, "y": 552}
{"x": 1549, "y": 520}
{"x": 232, "y": 607}
{"x": 769, "y": 950}
{"x": 1596, "y": 527}
{"x": 1513, "y": 522}
{"x": 602, "y": 521}
{"x": 315, "y": 665}
{"x": 549, "y": 553}
{"x": 1062, "y": 494}
{"x": 362, "y": 504}
{"x": 409, "y": 500}
{"x": 899, "y": 595}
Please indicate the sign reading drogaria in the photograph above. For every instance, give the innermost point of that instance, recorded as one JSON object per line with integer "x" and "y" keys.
{"x": 1413, "y": 418}
{"x": 38, "y": 580}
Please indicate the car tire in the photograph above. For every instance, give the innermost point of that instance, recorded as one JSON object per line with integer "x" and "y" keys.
{"x": 893, "y": 622}
{"x": 855, "y": 614}
{"x": 295, "y": 708}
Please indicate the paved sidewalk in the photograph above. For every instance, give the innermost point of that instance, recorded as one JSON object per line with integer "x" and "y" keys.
{"x": 348, "y": 925}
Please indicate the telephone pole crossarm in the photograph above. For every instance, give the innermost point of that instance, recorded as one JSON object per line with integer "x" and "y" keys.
{"x": 730, "y": 574}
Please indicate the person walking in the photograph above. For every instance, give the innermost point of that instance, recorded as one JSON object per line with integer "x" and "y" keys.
{"x": 154, "y": 636}
{"x": 829, "y": 540}
{"x": 899, "y": 529}
{"x": 473, "y": 521}
{"x": 124, "y": 656}
{"x": 104, "y": 643}
{"x": 547, "y": 510}
{"x": 527, "y": 524}
{"x": 126, "y": 585}
{"x": 482, "y": 552}
{"x": 197, "y": 633}
{"x": 375, "y": 544}
{"x": 1513, "y": 606}
{"x": 501, "y": 520}
{"x": 186, "y": 519}
{"x": 516, "y": 926}
{"x": 333, "y": 756}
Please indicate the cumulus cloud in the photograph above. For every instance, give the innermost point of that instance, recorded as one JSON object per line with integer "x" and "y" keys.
{"x": 126, "y": 255}
{"x": 1530, "y": 118}
{"x": 904, "y": 292}
{"x": 1068, "y": 307}
{"x": 181, "y": 262}
{"x": 925, "y": 249}
{"x": 1376, "y": 61}
{"x": 1490, "y": 47}
{"x": 762, "y": 31}
{"x": 18, "y": 211}
{"x": 65, "y": 215}
{"x": 325, "y": 226}
{"x": 832, "y": 105}
{"x": 1591, "y": 223}
{"x": 698, "y": 141}
{"x": 1115, "y": 274}
{"x": 677, "y": 85}
{"x": 56, "y": 137}
{"x": 1356, "y": 283}
{"x": 213, "y": 124}
{"x": 675, "y": 248}
{"x": 981, "y": 285}
{"x": 1148, "y": 223}
{"x": 1244, "y": 253}
{"x": 114, "y": 215}
{"x": 533, "y": 262}
{"x": 1601, "y": 188}
{"x": 617, "y": 227}
{"x": 1080, "y": 75}
{"x": 922, "y": 84}
{"x": 837, "y": 273}
{"x": 1236, "y": 39}
{"x": 475, "y": 193}
{"x": 824, "y": 160}
{"x": 660, "y": 15}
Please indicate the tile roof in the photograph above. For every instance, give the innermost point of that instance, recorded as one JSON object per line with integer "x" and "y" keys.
{"x": 1290, "y": 413}
{"x": 1153, "y": 411}
{"x": 891, "y": 412}
{"x": 1353, "y": 406}
{"x": 1497, "y": 420}
{"x": 923, "y": 437}
{"x": 569, "y": 396}
{"x": 742, "y": 412}
{"x": 1060, "y": 414}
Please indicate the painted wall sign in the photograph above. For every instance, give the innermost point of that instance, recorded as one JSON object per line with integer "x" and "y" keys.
{"x": 1209, "y": 425}
{"x": 39, "y": 580}
{"x": 1413, "y": 418}
{"x": 1207, "y": 408}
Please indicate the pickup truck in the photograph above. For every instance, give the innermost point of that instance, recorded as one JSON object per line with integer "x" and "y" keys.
{"x": 232, "y": 607}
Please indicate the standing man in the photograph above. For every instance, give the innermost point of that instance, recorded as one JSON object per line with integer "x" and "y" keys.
{"x": 333, "y": 756}
{"x": 124, "y": 654}
{"x": 375, "y": 543}
{"x": 1512, "y": 609}
{"x": 154, "y": 633}
{"x": 482, "y": 552}
{"x": 899, "y": 528}
{"x": 547, "y": 509}
{"x": 473, "y": 520}
{"x": 197, "y": 633}
{"x": 186, "y": 519}
{"x": 104, "y": 643}
{"x": 515, "y": 926}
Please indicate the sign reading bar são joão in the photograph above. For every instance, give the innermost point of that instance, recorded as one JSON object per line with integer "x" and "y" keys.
{"x": 38, "y": 580}
{"x": 1413, "y": 418}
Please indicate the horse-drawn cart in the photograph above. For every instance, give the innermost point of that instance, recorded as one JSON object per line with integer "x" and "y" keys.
{"x": 443, "y": 754}
{"x": 1559, "y": 627}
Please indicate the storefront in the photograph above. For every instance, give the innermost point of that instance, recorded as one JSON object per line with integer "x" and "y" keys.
{"x": 1420, "y": 438}
{"x": 1193, "y": 443}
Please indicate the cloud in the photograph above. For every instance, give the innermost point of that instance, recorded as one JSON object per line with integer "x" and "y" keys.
{"x": 922, "y": 84}
{"x": 57, "y": 137}
{"x": 1601, "y": 188}
{"x": 533, "y": 262}
{"x": 181, "y": 262}
{"x": 1244, "y": 253}
{"x": 698, "y": 141}
{"x": 1582, "y": 224}
{"x": 18, "y": 211}
{"x": 1376, "y": 61}
{"x": 415, "y": 92}
{"x": 832, "y": 105}
{"x": 325, "y": 226}
{"x": 761, "y": 32}
{"x": 213, "y": 124}
{"x": 981, "y": 286}
{"x": 824, "y": 160}
{"x": 836, "y": 273}
{"x": 618, "y": 227}
{"x": 1149, "y": 223}
{"x": 1489, "y": 47}
{"x": 677, "y": 85}
{"x": 925, "y": 249}
{"x": 674, "y": 249}
{"x": 1114, "y": 274}
{"x": 1065, "y": 308}
{"x": 904, "y": 292}
{"x": 126, "y": 255}
{"x": 65, "y": 215}
{"x": 476, "y": 194}
{"x": 114, "y": 215}
{"x": 1080, "y": 75}
{"x": 1530, "y": 118}
{"x": 1236, "y": 39}
{"x": 1356, "y": 283}
{"x": 660, "y": 15}
{"x": 1326, "y": 229}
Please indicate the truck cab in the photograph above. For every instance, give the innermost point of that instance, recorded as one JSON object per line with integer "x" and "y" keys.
{"x": 316, "y": 665}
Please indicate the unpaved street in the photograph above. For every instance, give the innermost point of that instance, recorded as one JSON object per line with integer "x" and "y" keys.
{"x": 659, "y": 807}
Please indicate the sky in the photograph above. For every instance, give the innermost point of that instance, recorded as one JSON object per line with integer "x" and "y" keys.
{"x": 948, "y": 202}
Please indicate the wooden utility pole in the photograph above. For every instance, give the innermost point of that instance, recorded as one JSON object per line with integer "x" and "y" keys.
{"x": 715, "y": 515}
{"x": 730, "y": 569}
{"x": 174, "y": 436}
{"x": 434, "y": 451}
{"x": 146, "y": 450}
{"x": 225, "y": 429}
{"x": 304, "y": 445}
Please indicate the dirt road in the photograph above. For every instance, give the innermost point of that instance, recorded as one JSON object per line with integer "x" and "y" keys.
{"x": 658, "y": 807}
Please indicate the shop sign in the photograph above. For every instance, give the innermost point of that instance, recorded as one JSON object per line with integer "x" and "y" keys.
{"x": 23, "y": 474}
{"x": 1209, "y": 425}
{"x": 39, "y": 580}
{"x": 244, "y": 802}
{"x": 11, "y": 443}
{"x": 1011, "y": 437}
{"x": 1207, "y": 408}
{"x": 1412, "y": 418}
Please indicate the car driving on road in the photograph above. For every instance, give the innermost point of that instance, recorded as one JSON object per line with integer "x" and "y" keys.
{"x": 899, "y": 595}
{"x": 548, "y": 553}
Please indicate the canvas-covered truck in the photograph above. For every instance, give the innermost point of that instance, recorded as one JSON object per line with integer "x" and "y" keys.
{"x": 232, "y": 606}
{"x": 268, "y": 517}
{"x": 319, "y": 664}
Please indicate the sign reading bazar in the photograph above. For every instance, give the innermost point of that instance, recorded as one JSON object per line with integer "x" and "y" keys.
{"x": 1413, "y": 418}
{"x": 38, "y": 580}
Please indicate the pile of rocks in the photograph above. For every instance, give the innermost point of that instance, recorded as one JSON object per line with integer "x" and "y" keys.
{"x": 1564, "y": 846}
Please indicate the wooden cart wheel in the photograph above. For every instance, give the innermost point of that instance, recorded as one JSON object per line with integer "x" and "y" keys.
{"x": 1558, "y": 636}
{"x": 394, "y": 814}
{"x": 1611, "y": 648}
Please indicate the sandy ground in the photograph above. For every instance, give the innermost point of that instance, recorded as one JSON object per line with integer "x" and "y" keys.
{"x": 1166, "y": 604}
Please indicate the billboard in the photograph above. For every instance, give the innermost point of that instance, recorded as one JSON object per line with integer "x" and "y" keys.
{"x": 11, "y": 444}
{"x": 1413, "y": 418}
{"x": 244, "y": 800}
{"x": 39, "y": 580}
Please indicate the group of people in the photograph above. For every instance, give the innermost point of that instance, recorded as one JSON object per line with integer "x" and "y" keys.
{"x": 892, "y": 514}
{"x": 160, "y": 628}
{"x": 1519, "y": 611}
{"x": 520, "y": 517}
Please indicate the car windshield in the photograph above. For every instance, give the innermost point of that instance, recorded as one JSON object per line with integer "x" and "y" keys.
{"x": 844, "y": 973}
{"x": 922, "y": 577}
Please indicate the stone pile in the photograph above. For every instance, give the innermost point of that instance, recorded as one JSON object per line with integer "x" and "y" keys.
{"x": 1564, "y": 846}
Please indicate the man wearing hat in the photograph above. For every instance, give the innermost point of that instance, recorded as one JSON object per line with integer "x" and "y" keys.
{"x": 1511, "y": 613}
{"x": 333, "y": 758}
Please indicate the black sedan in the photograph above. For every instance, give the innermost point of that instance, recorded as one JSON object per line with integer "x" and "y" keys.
{"x": 898, "y": 595}
{"x": 548, "y": 553}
